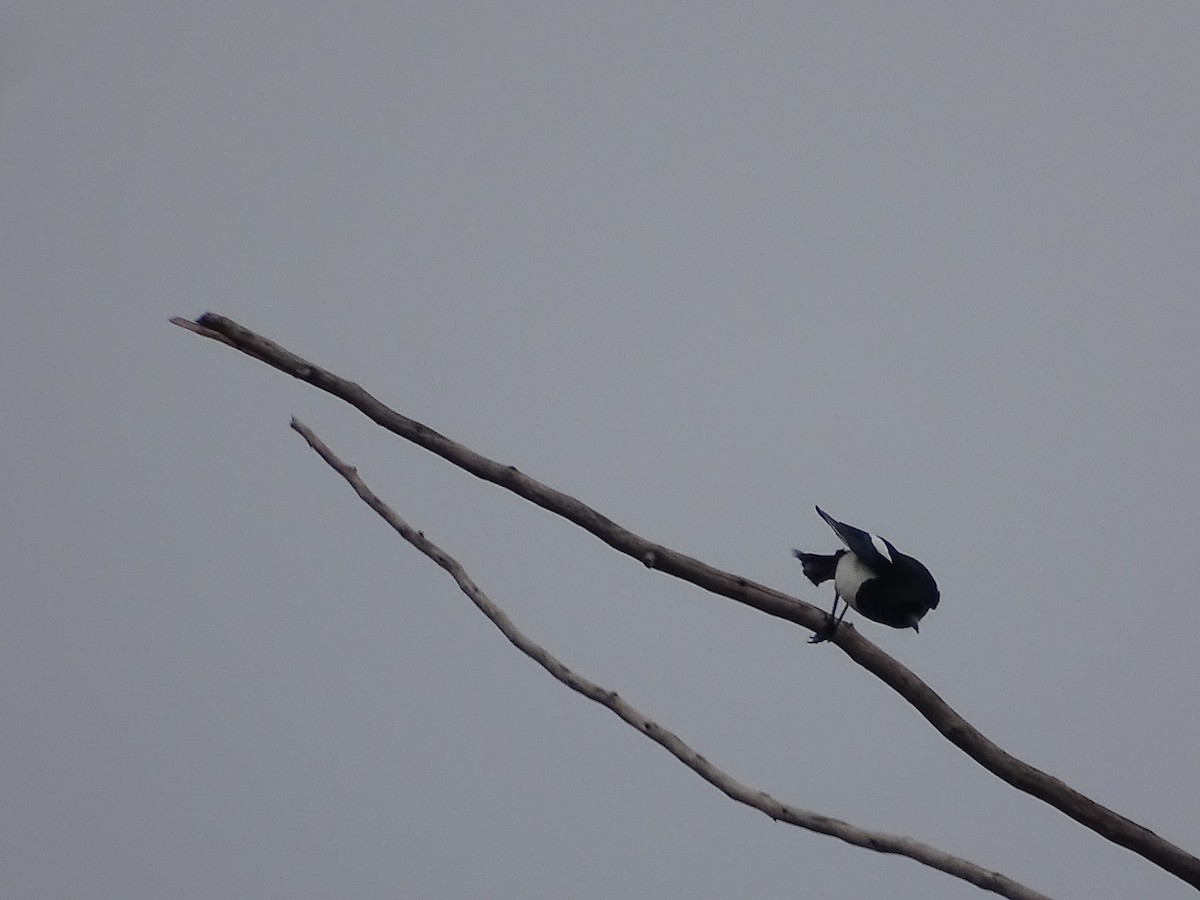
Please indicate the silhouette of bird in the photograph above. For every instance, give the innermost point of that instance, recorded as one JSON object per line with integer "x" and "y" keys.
{"x": 871, "y": 576}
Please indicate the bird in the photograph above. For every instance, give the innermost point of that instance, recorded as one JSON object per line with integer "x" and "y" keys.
{"x": 871, "y": 576}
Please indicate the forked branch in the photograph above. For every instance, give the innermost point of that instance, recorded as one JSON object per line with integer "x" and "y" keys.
{"x": 1108, "y": 824}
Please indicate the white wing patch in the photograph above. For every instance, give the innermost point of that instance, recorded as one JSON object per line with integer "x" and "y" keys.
{"x": 881, "y": 545}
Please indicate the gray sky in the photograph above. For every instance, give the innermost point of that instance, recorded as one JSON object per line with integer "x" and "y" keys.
{"x": 933, "y": 268}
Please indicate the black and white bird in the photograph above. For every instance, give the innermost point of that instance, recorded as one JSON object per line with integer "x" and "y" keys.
{"x": 872, "y": 576}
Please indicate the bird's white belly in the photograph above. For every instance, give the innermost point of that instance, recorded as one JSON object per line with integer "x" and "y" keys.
{"x": 849, "y": 577}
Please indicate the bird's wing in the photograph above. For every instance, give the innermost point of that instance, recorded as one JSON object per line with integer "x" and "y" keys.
{"x": 873, "y": 550}
{"x": 916, "y": 573}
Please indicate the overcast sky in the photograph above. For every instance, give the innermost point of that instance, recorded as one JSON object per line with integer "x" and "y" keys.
{"x": 932, "y": 266}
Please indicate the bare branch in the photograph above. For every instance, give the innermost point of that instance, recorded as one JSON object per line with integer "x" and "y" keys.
{"x": 727, "y": 784}
{"x": 1110, "y": 825}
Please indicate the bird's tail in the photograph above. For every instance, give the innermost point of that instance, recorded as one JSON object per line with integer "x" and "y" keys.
{"x": 818, "y": 567}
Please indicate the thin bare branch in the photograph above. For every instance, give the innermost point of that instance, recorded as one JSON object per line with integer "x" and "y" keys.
{"x": 1110, "y": 825}
{"x": 872, "y": 840}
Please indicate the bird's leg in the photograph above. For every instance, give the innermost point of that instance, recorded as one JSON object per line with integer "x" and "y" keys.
{"x": 825, "y": 632}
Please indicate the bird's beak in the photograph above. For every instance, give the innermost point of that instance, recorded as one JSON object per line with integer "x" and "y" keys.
{"x": 916, "y": 626}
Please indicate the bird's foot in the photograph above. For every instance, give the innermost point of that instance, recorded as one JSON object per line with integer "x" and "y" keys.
{"x": 825, "y": 632}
